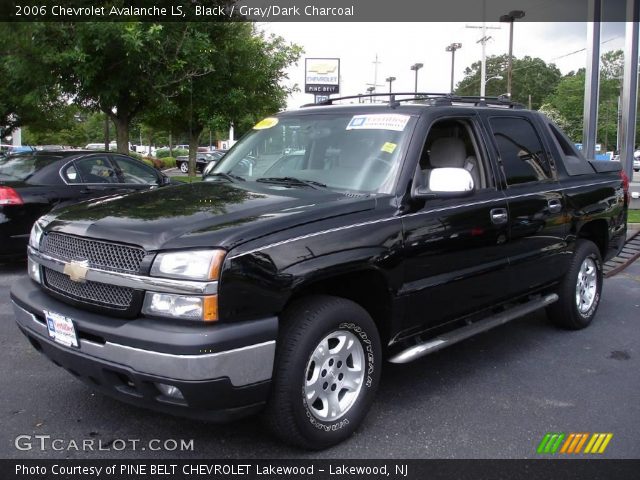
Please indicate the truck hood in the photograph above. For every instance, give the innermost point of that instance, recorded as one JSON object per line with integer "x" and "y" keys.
{"x": 202, "y": 214}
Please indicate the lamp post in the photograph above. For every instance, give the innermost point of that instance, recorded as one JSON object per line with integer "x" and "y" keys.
{"x": 452, "y": 48}
{"x": 495, "y": 77}
{"x": 415, "y": 67}
{"x": 511, "y": 17}
{"x": 370, "y": 91}
{"x": 390, "y": 80}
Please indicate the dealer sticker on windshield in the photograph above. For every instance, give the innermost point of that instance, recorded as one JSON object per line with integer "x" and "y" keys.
{"x": 61, "y": 329}
{"x": 383, "y": 121}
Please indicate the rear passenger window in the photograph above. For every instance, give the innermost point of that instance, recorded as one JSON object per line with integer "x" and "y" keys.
{"x": 521, "y": 154}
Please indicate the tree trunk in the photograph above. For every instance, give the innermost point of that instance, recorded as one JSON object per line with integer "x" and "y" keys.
{"x": 170, "y": 145}
{"x": 194, "y": 138}
{"x": 122, "y": 133}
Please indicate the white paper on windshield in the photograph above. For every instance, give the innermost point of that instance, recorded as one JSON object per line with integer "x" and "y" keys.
{"x": 383, "y": 121}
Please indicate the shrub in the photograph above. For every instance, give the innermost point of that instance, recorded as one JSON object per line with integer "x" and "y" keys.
{"x": 147, "y": 161}
{"x": 164, "y": 152}
{"x": 169, "y": 162}
{"x": 135, "y": 155}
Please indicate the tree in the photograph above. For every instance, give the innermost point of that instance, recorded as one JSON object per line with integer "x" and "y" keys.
{"x": 531, "y": 76}
{"x": 28, "y": 94}
{"x": 244, "y": 86}
{"x": 568, "y": 100}
{"x": 118, "y": 68}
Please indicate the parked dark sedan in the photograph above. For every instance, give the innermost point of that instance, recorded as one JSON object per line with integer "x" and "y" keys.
{"x": 202, "y": 160}
{"x": 32, "y": 184}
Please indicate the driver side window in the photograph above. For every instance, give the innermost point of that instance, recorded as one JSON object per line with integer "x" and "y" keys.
{"x": 451, "y": 143}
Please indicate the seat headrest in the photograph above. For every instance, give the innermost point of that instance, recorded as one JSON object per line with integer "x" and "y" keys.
{"x": 447, "y": 152}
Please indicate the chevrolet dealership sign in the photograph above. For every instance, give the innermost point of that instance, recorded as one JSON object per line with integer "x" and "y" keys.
{"x": 322, "y": 76}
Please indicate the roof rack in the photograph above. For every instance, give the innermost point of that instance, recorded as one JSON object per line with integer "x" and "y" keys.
{"x": 428, "y": 98}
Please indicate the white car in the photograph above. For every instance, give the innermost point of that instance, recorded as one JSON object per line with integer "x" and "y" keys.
{"x": 636, "y": 164}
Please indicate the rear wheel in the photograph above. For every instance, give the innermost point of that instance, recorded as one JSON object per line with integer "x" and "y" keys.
{"x": 580, "y": 289}
{"x": 326, "y": 372}
{"x": 184, "y": 167}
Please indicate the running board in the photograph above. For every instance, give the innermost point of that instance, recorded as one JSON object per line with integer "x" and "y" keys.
{"x": 455, "y": 336}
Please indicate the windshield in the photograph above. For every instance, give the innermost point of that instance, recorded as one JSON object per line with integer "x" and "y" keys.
{"x": 337, "y": 151}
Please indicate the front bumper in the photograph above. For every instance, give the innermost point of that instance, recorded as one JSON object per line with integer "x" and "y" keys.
{"x": 223, "y": 371}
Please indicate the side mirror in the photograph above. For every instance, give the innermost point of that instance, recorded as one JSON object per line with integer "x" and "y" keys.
{"x": 164, "y": 180}
{"x": 445, "y": 182}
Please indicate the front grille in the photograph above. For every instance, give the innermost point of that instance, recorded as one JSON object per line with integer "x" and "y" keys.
{"x": 112, "y": 296}
{"x": 102, "y": 255}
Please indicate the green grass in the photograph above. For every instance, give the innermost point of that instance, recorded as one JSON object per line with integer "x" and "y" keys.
{"x": 634, "y": 216}
{"x": 188, "y": 179}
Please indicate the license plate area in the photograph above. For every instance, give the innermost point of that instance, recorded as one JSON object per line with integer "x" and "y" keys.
{"x": 61, "y": 329}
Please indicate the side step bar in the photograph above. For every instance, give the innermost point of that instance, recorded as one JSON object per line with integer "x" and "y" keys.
{"x": 455, "y": 336}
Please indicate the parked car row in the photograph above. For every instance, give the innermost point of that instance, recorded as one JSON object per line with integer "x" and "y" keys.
{"x": 33, "y": 183}
{"x": 202, "y": 160}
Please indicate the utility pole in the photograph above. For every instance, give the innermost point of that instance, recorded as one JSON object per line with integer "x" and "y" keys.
{"x": 375, "y": 76}
{"x": 452, "y": 48}
{"x": 511, "y": 17}
{"x": 483, "y": 41}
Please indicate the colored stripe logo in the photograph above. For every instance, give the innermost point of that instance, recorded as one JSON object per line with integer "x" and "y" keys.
{"x": 573, "y": 443}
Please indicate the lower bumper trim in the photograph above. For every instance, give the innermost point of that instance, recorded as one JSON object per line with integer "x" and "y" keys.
{"x": 243, "y": 366}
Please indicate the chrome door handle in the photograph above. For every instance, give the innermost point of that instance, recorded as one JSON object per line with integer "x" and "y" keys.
{"x": 499, "y": 216}
{"x": 554, "y": 206}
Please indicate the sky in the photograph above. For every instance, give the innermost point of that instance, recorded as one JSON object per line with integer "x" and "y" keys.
{"x": 400, "y": 45}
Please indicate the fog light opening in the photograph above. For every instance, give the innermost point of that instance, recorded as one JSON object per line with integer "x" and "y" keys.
{"x": 169, "y": 391}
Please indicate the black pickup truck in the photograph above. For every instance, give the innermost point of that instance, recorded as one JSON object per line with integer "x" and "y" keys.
{"x": 328, "y": 240}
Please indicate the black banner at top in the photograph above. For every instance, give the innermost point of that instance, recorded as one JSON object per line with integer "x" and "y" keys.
{"x": 308, "y": 10}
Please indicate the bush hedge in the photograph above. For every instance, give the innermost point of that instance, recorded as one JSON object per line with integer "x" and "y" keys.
{"x": 164, "y": 152}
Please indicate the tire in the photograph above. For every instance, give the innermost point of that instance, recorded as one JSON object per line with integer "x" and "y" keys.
{"x": 580, "y": 290}
{"x": 322, "y": 389}
{"x": 184, "y": 167}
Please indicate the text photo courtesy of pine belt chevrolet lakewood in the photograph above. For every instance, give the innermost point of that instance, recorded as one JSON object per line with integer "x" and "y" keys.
{"x": 327, "y": 241}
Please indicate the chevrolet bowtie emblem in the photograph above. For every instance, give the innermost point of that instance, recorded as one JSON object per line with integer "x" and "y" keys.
{"x": 77, "y": 271}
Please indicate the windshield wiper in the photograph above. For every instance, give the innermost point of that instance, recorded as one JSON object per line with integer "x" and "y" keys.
{"x": 228, "y": 176}
{"x": 292, "y": 181}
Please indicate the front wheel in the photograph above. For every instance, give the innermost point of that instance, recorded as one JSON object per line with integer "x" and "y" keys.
{"x": 184, "y": 167}
{"x": 326, "y": 373}
{"x": 580, "y": 289}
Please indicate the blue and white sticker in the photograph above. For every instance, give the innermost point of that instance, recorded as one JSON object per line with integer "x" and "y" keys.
{"x": 382, "y": 121}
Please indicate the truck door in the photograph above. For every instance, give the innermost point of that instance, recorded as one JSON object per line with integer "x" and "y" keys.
{"x": 536, "y": 215}
{"x": 455, "y": 261}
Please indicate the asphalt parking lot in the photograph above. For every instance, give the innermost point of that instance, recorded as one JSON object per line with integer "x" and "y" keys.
{"x": 492, "y": 396}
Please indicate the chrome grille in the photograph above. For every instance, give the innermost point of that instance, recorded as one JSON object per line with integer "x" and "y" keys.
{"x": 119, "y": 298}
{"x": 102, "y": 255}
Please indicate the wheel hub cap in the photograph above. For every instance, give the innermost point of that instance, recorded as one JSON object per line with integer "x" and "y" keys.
{"x": 587, "y": 285}
{"x": 334, "y": 375}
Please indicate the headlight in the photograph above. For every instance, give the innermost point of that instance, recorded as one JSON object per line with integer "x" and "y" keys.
{"x": 181, "y": 306}
{"x": 34, "y": 271}
{"x": 35, "y": 236}
{"x": 189, "y": 264}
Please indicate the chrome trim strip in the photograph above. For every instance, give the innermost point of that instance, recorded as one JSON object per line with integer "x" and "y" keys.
{"x": 424, "y": 212}
{"x": 140, "y": 282}
{"x": 243, "y": 366}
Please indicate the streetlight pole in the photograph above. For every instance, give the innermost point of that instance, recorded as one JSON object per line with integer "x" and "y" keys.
{"x": 511, "y": 17}
{"x": 390, "y": 80}
{"x": 370, "y": 90}
{"x": 415, "y": 67}
{"x": 452, "y": 48}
